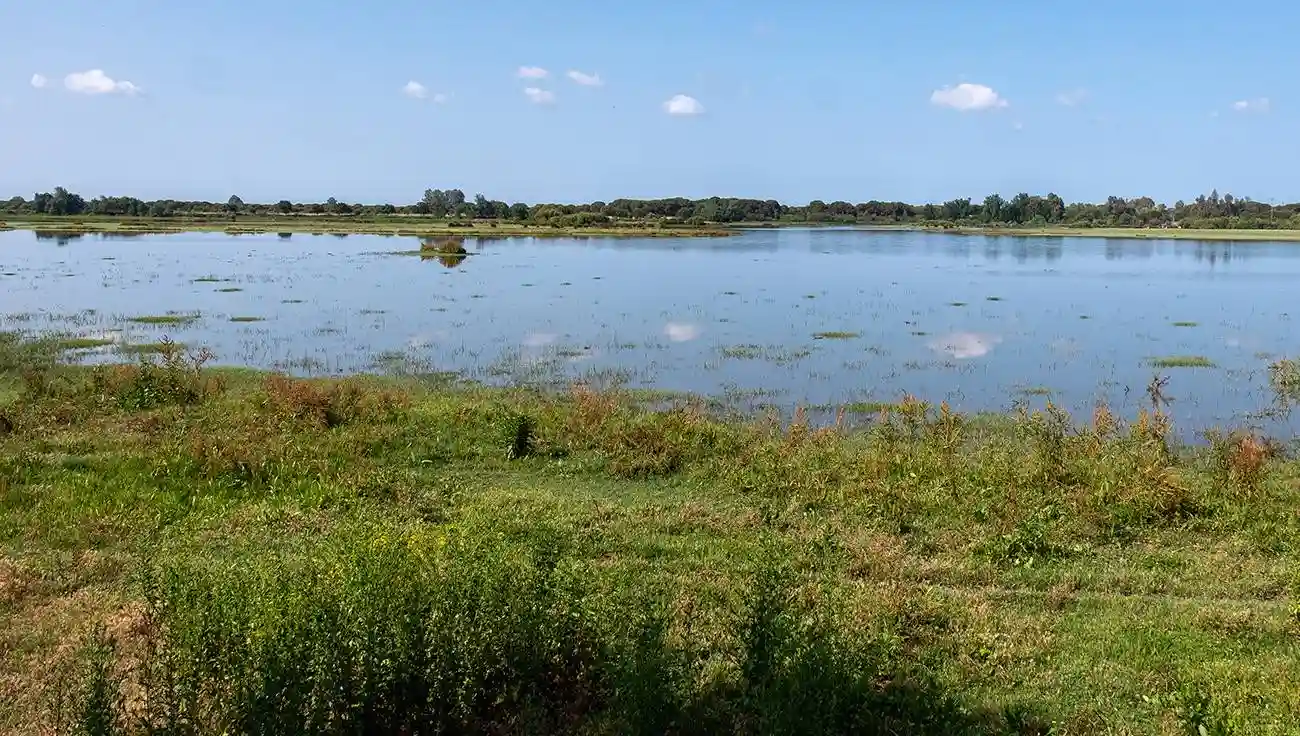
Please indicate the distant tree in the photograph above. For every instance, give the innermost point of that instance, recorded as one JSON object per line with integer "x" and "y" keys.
{"x": 234, "y": 204}
{"x": 993, "y": 208}
{"x": 519, "y": 211}
{"x": 482, "y": 207}
{"x": 284, "y": 206}
{"x": 435, "y": 202}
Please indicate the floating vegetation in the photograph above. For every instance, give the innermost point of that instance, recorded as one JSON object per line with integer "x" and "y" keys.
{"x": 247, "y": 319}
{"x": 149, "y": 348}
{"x": 956, "y": 304}
{"x": 208, "y": 280}
{"x": 836, "y": 335}
{"x": 229, "y": 290}
{"x": 164, "y": 319}
{"x": 993, "y": 298}
{"x": 770, "y": 353}
{"x": 291, "y": 301}
{"x": 1284, "y": 379}
{"x": 1181, "y": 361}
{"x": 1185, "y": 324}
{"x": 1036, "y": 391}
{"x": 82, "y": 343}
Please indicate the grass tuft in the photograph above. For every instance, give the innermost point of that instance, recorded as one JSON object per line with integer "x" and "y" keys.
{"x": 1181, "y": 361}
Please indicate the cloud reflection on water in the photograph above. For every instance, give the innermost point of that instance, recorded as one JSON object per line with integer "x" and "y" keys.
{"x": 964, "y": 345}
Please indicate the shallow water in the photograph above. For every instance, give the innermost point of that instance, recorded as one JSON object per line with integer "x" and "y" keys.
{"x": 978, "y": 321}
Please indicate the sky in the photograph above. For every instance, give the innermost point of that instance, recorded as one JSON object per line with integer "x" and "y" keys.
{"x": 578, "y": 100}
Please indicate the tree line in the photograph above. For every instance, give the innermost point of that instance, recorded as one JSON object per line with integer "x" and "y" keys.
{"x": 1206, "y": 211}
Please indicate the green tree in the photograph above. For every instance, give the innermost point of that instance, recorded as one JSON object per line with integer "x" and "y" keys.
{"x": 284, "y": 206}
{"x": 993, "y": 208}
{"x": 234, "y": 204}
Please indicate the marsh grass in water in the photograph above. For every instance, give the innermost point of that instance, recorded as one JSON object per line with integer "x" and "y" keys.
{"x": 1185, "y": 324}
{"x": 247, "y": 318}
{"x": 164, "y": 319}
{"x": 248, "y": 552}
{"x": 1181, "y": 361}
{"x": 836, "y": 335}
{"x": 83, "y": 343}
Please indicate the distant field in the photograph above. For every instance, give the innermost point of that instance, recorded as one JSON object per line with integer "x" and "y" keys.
{"x": 403, "y": 226}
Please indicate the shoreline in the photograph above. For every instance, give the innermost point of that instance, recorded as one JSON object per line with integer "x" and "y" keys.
{"x": 338, "y": 226}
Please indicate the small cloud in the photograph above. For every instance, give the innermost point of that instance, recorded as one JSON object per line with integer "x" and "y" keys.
{"x": 39, "y": 81}
{"x": 967, "y": 97}
{"x": 683, "y": 105}
{"x": 96, "y": 82}
{"x": 539, "y": 96}
{"x": 440, "y": 98}
{"x": 532, "y": 72}
{"x": 963, "y": 345}
{"x": 682, "y": 331}
{"x": 586, "y": 80}
{"x": 1259, "y": 104}
{"x": 1018, "y": 125}
{"x": 415, "y": 90}
{"x": 1072, "y": 98}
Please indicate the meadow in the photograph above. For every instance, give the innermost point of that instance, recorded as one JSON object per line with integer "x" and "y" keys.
{"x": 190, "y": 549}
{"x": 408, "y": 226}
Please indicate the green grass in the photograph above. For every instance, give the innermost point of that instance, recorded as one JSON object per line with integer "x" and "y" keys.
{"x": 145, "y": 348}
{"x": 836, "y": 335}
{"x": 164, "y": 319}
{"x": 400, "y": 225}
{"x": 1181, "y": 361}
{"x": 82, "y": 343}
{"x": 1185, "y": 324}
{"x": 1128, "y": 232}
{"x": 247, "y": 318}
{"x": 234, "y": 548}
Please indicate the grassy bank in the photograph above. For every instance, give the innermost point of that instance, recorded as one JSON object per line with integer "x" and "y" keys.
{"x": 207, "y": 551}
{"x": 1128, "y": 232}
{"x": 412, "y": 226}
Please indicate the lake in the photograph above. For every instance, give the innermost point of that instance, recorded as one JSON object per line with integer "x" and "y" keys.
{"x": 818, "y": 317}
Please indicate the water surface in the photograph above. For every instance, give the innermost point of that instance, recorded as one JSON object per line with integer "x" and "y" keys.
{"x": 980, "y": 322}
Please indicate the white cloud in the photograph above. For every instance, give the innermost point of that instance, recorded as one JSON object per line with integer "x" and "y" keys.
{"x": 415, "y": 90}
{"x": 1072, "y": 98}
{"x": 440, "y": 97}
{"x": 586, "y": 80}
{"x": 1259, "y": 104}
{"x": 96, "y": 82}
{"x": 682, "y": 331}
{"x": 39, "y": 81}
{"x": 1018, "y": 125}
{"x": 683, "y": 105}
{"x": 532, "y": 72}
{"x": 539, "y": 96}
{"x": 967, "y": 97}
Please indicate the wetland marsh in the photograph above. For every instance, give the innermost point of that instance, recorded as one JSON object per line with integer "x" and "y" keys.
{"x": 820, "y": 318}
{"x": 187, "y": 547}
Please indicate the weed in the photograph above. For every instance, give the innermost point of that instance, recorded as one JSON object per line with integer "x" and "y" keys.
{"x": 1240, "y": 459}
{"x": 165, "y": 319}
{"x": 1181, "y": 361}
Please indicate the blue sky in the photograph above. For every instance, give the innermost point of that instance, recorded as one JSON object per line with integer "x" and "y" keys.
{"x": 832, "y": 100}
